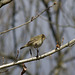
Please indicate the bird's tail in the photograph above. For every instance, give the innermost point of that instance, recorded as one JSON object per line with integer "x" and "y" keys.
{"x": 23, "y": 47}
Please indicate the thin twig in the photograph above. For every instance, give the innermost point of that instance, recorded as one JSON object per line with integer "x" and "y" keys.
{"x": 33, "y": 18}
{"x": 4, "y": 2}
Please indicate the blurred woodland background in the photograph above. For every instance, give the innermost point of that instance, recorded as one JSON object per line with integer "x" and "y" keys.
{"x": 56, "y": 23}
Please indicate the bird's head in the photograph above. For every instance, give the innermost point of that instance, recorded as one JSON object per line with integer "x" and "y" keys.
{"x": 43, "y": 36}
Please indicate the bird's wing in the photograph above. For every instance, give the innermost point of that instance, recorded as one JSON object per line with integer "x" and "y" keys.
{"x": 32, "y": 40}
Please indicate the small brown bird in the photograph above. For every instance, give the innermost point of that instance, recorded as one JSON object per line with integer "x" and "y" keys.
{"x": 35, "y": 42}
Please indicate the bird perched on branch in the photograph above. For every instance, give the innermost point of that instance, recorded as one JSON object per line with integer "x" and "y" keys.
{"x": 35, "y": 42}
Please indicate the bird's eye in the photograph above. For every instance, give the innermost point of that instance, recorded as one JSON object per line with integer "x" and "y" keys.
{"x": 43, "y": 36}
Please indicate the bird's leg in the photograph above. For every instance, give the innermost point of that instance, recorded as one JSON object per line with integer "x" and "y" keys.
{"x": 37, "y": 52}
{"x": 17, "y": 55}
{"x": 30, "y": 52}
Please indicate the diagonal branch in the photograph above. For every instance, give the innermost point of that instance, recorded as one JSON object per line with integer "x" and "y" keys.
{"x": 69, "y": 44}
{"x": 4, "y": 2}
{"x": 33, "y": 18}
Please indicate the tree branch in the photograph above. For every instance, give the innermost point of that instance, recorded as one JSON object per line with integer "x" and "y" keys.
{"x": 33, "y": 18}
{"x": 69, "y": 44}
{"x": 4, "y": 2}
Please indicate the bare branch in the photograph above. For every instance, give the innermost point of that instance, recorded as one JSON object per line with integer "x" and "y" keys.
{"x": 33, "y": 18}
{"x": 72, "y": 42}
{"x": 4, "y": 2}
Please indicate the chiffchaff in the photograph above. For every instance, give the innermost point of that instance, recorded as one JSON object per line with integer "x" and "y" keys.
{"x": 35, "y": 42}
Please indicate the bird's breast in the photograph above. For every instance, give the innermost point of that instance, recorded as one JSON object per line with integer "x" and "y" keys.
{"x": 38, "y": 44}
